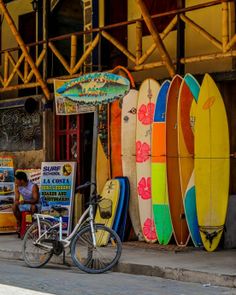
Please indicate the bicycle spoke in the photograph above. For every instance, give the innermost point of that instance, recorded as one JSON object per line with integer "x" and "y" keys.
{"x": 98, "y": 259}
{"x": 36, "y": 254}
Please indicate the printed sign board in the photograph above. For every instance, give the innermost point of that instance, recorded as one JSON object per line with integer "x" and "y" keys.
{"x": 57, "y": 188}
{"x": 7, "y": 195}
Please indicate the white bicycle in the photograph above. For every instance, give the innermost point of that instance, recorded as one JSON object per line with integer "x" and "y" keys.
{"x": 95, "y": 248}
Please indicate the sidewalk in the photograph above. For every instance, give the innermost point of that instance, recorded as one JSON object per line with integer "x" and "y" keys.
{"x": 187, "y": 264}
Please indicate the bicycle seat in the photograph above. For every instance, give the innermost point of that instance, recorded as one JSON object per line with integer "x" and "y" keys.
{"x": 59, "y": 209}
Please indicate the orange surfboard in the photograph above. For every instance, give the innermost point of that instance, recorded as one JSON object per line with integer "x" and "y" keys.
{"x": 180, "y": 228}
{"x": 115, "y": 126}
{"x": 115, "y": 138}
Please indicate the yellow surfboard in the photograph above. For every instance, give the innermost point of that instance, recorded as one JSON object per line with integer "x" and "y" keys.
{"x": 102, "y": 167}
{"x": 110, "y": 191}
{"x": 211, "y": 163}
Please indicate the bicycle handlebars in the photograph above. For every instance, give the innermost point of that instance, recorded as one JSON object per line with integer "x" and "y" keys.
{"x": 85, "y": 185}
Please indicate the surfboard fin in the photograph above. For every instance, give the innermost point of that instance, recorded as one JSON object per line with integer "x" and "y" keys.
{"x": 209, "y": 234}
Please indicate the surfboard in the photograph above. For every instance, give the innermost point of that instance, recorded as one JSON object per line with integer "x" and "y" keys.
{"x": 191, "y": 212}
{"x": 128, "y": 138}
{"x": 211, "y": 163}
{"x": 115, "y": 125}
{"x": 103, "y": 172}
{"x": 145, "y": 111}
{"x": 160, "y": 202}
{"x": 195, "y": 89}
{"x": 94, "y": 88}
{"x": 115, "y": 138}
{"x": 187, "y": 103}
{"x": 180, "y": 228}
{"x": 120, "y": 206}
{"x": 193, "y": 85}
{"x": 110, "y": 191}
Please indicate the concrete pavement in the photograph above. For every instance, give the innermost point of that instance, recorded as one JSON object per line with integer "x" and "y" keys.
{"x": 186, "y": 264}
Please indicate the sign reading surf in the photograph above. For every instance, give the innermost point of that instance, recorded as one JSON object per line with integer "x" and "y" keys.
{"x": 57, "y": 188}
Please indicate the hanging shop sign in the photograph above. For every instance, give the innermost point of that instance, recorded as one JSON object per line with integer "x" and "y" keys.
{"x": 89, "y": 90}
{"x": 57, "y": 188}
{"x": 7, "y": 195}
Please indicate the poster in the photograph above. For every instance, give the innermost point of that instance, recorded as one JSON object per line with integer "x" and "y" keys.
{"x": 7, "y": 195}
{"x": 57, "y": 188}
{"x": 65, "y": 106}
{"x": 33, "y": 175}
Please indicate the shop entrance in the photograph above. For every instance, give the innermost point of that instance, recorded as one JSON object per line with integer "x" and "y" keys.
{"x": 73, "y": 142}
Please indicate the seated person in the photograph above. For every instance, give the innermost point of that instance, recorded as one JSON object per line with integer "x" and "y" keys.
{"x": 26, "y": 196}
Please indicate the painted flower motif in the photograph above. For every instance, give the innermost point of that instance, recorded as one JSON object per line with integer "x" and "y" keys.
{"x": 142, "y": 151}
{"x": 149, "y": 230}
{"x": 146, "y": 113}
{"x": 144, "y": 188}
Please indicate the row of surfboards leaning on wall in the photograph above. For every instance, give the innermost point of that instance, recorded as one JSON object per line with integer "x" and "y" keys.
{"x": 171, "y": 142}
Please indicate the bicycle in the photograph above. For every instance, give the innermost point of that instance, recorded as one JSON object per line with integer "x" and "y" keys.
{"x": 94, "y": 248}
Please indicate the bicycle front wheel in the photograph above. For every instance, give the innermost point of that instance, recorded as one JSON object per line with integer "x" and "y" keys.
{"x": 36, "y": 254}
{"x": 96, "y": 259}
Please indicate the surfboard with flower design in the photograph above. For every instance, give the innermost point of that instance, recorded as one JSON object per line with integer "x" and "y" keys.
{"x": 148, "y": 93}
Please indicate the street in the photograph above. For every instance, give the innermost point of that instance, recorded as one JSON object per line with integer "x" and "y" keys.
{"x": 16, "y": 278}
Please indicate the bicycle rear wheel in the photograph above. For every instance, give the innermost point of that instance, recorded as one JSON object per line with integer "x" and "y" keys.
{"x": 36, "y": 255}
{"x": 96, "y": 259}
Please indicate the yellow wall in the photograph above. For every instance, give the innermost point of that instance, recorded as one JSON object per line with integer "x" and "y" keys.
{"x": 15, "y": 8}
{"x": 211, "y": 20}
{"x": 208, "y": 18}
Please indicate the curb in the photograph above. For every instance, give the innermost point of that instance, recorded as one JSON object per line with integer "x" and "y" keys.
{"x": 178, "y": 274}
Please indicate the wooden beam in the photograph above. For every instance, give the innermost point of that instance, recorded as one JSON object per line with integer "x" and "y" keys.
{"x": 26, "y": 68}
{"x": 225, "y": 25}
{"x": 38, "y": 62}
{"x": 21, "y": 43}
{"x": 163, "y": 35}
{"x": 16, "y": 65}
{"x": 149, "y": 66}
{"x": 73, "y": 51}
{"x": 139, "y": 44}
{"x": 201, "y": 31}
{"x": 169, "y": 28}
{"x": 21, "y": 86}
{"x": 92, "y": 45}
{"x": 119, "y": 46}
{"x": 231, "y": 43}
{"x": 15, "y": 69}
{"x": 59, "y": 56}
{"x": 156, "y": 37}
{"x": 208, "y": 57}
{"x": 51, "y": 80}
{"x": 6, "y": 67}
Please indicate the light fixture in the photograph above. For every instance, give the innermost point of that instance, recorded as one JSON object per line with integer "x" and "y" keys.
{"x": 34, "y": 4}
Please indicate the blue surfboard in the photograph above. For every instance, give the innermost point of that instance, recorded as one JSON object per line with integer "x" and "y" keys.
{"x": 124, "y": 215}
{"x": 120, "y": 206}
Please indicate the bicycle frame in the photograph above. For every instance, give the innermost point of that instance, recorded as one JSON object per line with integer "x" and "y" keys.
{"x": 67, "y": 240}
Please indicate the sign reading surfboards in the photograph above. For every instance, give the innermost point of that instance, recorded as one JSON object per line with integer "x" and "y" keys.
{"x": 7, "y": 195}
{"x": 57, "y": 188}
{"x": 90, "y": 89}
